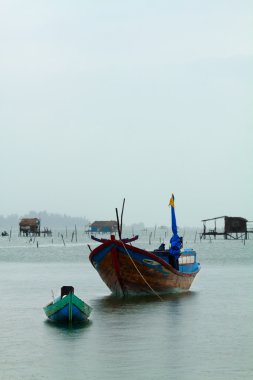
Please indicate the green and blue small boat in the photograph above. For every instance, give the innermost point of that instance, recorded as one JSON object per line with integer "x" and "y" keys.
{"x": 67, "y": 308}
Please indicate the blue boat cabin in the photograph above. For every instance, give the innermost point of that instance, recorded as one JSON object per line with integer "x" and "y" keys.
{"x": 187, "y": 261}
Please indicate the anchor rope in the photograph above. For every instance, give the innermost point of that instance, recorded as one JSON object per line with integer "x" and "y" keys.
{"x": 141, "y": 273}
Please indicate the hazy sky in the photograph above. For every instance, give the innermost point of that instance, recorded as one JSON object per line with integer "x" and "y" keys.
{"x": 101, "y": 100}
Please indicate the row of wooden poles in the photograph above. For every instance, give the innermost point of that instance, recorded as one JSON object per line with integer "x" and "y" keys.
{"x": 74, "y": 235}
{"x": 151, "y": 236}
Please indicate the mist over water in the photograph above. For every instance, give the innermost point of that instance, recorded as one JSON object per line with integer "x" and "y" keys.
{"x": 205, "y": 333}
{"x": 102, "y": 101}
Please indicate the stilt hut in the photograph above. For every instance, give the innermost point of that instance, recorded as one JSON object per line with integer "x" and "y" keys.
{"x": 233, "y": 228}
{"x": 29, "y": 226}
{"x": 103, "y": 227}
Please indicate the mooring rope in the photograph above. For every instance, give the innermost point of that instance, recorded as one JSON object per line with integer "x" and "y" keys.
{"x": 140, "y": 272}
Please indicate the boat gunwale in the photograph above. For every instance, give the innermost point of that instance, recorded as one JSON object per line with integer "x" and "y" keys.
{"x": 53, "y": 308}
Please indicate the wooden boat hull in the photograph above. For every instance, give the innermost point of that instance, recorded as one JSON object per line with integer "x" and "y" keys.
{"x": 68, "y": 309}
{"x": 128, "y": 270}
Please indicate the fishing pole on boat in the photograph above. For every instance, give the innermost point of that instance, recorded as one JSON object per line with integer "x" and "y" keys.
{"x": 118, "y": 225}
{"x": 121, "y": 221}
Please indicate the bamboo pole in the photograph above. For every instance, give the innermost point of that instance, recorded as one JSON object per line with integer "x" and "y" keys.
{"x": 118, "y": 225}
{"x": 121, "y": 221}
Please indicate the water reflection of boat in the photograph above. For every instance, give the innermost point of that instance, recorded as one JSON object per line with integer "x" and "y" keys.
{"x": 128, "y": 270}
{"x": 110, "y": 302}
{"x": 67, "y": 307}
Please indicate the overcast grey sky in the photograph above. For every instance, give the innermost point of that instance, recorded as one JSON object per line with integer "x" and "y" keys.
{"x": 101, "y": 100}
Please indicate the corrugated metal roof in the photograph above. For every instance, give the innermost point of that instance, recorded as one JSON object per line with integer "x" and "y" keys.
{"x": 105, "y": 223}
{"x": 29, "y": 222}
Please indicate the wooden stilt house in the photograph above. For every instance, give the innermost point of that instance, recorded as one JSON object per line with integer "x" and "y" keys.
{"x": 103, "y": 227}
{"x": 233, "y": 228}
{"x": 29, "y": 226}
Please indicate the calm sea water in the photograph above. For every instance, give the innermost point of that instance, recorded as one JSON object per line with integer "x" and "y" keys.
{"x": 206, "y": 333}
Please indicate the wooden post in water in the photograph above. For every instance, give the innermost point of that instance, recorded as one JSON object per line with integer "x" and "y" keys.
{"x": 150, "y": 235}
{"x": 63, "y": 240}
{"x": 76, "y": 233}
{"x": 10, "y": 234}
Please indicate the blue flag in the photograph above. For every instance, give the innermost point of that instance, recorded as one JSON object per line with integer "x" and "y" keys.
{"x": 175, "y": 241}
{"x": 173, "y": 215}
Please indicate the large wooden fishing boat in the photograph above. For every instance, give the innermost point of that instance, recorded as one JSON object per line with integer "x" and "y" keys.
{"x": 128, "y": 270}
{"x": 67, "y": 307}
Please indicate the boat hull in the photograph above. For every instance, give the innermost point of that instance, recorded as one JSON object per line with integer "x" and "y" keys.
{"x": 129, "y": 271}
{"x": 68, "y": 309}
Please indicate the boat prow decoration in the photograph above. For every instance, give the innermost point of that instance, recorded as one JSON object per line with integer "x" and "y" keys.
{"x": 128, "y": 240}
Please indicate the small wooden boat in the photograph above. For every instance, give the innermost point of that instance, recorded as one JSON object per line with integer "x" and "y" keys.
{"x": 67, "y": 307}
{"x": 128, "y": 270}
